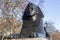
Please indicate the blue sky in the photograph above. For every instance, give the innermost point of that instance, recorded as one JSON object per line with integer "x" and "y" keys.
{"x": 52, "y": 12}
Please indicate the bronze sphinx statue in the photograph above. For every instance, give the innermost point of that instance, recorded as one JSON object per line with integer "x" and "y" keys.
{"x": 32, "y": 21}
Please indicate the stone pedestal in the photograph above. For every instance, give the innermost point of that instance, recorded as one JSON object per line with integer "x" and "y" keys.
{"x": 28, "y": 39}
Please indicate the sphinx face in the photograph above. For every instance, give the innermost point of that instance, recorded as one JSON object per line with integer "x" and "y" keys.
{"x": 30, "y": 12}
{"x": 31, "y": 9}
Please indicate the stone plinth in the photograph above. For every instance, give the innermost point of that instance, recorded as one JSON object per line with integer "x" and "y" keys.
{"x": 28, "y": 39}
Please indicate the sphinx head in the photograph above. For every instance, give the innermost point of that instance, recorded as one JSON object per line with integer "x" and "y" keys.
{"x": 32, "y": 12}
